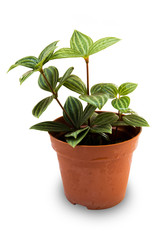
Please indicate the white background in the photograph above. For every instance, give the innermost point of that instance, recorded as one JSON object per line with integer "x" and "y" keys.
{"x": 32, "y": 202}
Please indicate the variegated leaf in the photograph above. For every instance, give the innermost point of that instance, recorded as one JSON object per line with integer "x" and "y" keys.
{"x": 42, "y": 106}
{"x": 102, "y": 44}
{"x": 121, "y": 103}
{"x": 105, "y": 118}
{"x": 52, "y": 126}
{"x": 87, "y": 113}
{"x": 98, "y": 99}
{"x": 135, "y": 120}
{"x": 126, "y": 88}
{"x": 47, "y": 53}
{"x": 119, "y": 123}
{"x": 25, "y": 76}
{"x": 74, "y": 109}
{"x": 52, "y": 76}
{"x": 29, "y": 62}
{"x": 106, "y": 128}
{"x": 76, "y": 133}
{"x": 111, "y": 89}
{"x": 75, "y": 84}
{"x": 66, "y": 53}
{"x": 74, "y": 141}
{"x": 64, "y": 78}
{"x": 81, "y": 43}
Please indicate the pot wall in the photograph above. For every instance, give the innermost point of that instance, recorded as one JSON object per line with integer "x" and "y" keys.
{"x": 95, "y": 176}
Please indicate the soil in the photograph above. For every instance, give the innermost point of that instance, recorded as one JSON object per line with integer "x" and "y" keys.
{"x": 119, "y": 134}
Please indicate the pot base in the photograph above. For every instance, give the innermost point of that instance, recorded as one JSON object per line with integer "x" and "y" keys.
{"x": 92, "y": 207}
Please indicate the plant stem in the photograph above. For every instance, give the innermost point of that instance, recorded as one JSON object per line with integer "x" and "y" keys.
{"x": 55, "y": 94}
{"x": 87, "y": 70}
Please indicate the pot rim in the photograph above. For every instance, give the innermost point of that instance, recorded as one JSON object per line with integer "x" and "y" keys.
{"x": 98, "y": 146}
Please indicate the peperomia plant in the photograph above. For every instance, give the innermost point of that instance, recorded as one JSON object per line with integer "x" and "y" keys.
{"x": 80, "y": 125}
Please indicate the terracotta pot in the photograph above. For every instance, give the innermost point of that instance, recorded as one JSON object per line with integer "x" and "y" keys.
{"x": 96, "y": 176}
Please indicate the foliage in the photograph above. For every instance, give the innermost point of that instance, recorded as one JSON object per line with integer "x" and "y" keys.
{"x": 80, "y": 123}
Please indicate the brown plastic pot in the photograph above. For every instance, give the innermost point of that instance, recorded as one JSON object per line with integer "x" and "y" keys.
{"x": 96, "y": 176}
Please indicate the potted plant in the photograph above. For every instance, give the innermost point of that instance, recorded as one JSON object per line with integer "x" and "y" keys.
{"x": 94, "y": 148}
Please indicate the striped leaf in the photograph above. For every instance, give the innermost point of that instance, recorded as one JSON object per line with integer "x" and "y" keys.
{"x": 102, "y": 44}
{"x": 98, "y": 99}
{"x": 75, "y": 84}
{"x": 106, "y": 128}
{"x": 51, "y": 126}
{"x": 126, "y": 88}
{"x": 119, "y": 123}
{"x": 121, "y": 103}
{"x": 42, "y": 106}
{"x": 74, "y": 109}
{"x": 74, "y": 141}
{"x": 25, "y": 76}
{"x": 64, "y": 78}
{"x": 96, "y": 88}
{"x": 111, "y": 89}
{"x": 29, "y": 62}
{"x": 47, "y": 53}
{"x": 105, "y": 118}
{"x": 65, "y": 53}
{"x": 76, "y": 133}
{"x": 135, "y": 120}
{"x": 52, "y": 76}
{"x": 128, "y": 110}
{"x": 87, "y": 113}
{"x": 81, "y": 43}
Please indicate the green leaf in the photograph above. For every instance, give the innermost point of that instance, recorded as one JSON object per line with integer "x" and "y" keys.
{"x": 126, "y": 88}
{"x": 76, "y": 133}
{"x": 97, "y": 88}
{"x": 111, "y": 89}
{"x": 135, "y": 120}
{"x": 105, "y": 118}
{"x": 42, "y": 106}
{"x": 119, "y": 123}
{"x": 64, "y": 78}
{"x": 47, "y": 53}
{"x": 51, "y": 126}
{"x": 127, "y": 110}
{"x": 66, "y": 53}
{"x": 75, "y": 84}
{"x": 87, "y": 113}
{"x": 81, "y": 43}
{"x": 74, "y": 109}
{"x": 102, "y": 44}
{"x": 98, "y": 99}
{"x": 26, "y": 75}
{"x": 29, "y": 62}
{"x": 106, "y": 128}
{"x": 121, "y": 103}
{"x": 73, "y": 142}
{"x": 52, "y": 76}
{"x": 105, "y": 136}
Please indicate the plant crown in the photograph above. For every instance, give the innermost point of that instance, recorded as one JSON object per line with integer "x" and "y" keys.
{"x": 80, "y": 124}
